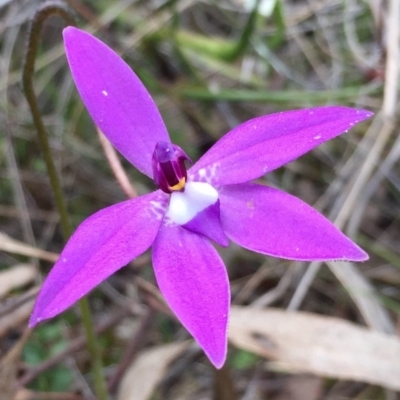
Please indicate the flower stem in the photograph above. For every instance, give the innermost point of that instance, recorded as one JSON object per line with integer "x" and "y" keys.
{"x": 47, "y": 10}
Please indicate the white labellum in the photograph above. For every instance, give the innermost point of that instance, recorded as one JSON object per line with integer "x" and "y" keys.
{"x": 184, "y": 206}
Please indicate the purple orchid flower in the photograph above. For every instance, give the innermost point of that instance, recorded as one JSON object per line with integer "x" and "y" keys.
{"x": 213, "y": 200}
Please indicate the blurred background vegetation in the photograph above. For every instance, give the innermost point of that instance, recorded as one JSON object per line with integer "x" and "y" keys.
{"x": 209, "y": 65}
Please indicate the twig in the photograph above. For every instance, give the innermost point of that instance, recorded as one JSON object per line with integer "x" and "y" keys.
{"x": 116, "y": 167}
{"x": 272, "y": 295}
{"x": 383, "y": 135}
{"x": 24, "y": 394}
{"x": 13, "y": 304}
{"x": 392, "y": 60}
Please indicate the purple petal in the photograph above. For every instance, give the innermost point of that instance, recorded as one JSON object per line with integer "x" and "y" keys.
{"x": 266, "y": 143}
{"x": 194, "y": 282}
{"x": 101, "y": 245}
{"x": 208, "y": 223}
{"x": 115, "y": 98}
{"x": 275, "y": 223}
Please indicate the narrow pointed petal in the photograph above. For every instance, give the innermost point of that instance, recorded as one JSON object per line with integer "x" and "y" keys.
{"x": 266, "y": 143}
{"x": 194, "y": 282}
{"x": 116, "y": 99}
{"x": 275, "y": 223}
{"x": 101, "y": 245}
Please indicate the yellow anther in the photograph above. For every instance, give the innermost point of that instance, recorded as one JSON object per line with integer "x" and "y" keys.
{"x": 179, "y": 185}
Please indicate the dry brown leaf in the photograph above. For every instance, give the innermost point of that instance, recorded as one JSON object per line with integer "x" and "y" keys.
{"x": 15, "y": 277}
{"x": 14, "y": 246}
{"x": 325, "y": 346}
{"x": 301, "y": 387}
{"x": 147, "y": 371}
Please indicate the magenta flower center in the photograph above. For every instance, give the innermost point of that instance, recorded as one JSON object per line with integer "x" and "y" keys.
{"x": 169, "y": 170}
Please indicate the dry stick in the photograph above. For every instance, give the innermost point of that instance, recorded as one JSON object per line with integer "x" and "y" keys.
{"x": 255, "y": 280}
{"x": 25, "y": 394}
{"x": 116, "y": 167}
{"x": 132, "y": 350}
{"x": 363, "y": 295}
{"x": 75, "y": 345}
{"x": 9, "y": 211}
{"x": 374, "y": 182}
{"x": 362, "y": 287}
{"x": 351, "y": 165}
{"x": 392, "y": 60}
{"x": 13, "y": 304}
{"x": 272, "y": 295}
{"x": 11, "y": 245}
{"x": 303, "y": 286}
{"x": 154, "y": 298}
{"x": 365, "y": 171}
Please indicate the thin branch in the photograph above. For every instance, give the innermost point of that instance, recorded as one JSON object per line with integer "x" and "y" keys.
{"x": 116, "y": 167}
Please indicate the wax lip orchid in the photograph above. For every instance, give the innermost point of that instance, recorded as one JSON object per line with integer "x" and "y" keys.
{"x": 212, "y": 201}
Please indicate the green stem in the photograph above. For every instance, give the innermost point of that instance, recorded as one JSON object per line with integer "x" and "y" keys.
{"x": 27, "y": 78}
{"x": 287, "y": 96}
{"x": 43, "y": 13}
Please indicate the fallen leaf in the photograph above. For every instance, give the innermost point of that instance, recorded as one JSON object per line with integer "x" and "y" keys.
{"x": 15, "y": 277}
{"x": 316, "y": 344}
{"x": 301, "y": 387}
{"x": 147, "y": 371}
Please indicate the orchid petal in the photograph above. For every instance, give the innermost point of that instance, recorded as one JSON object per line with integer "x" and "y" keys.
{"x": 275, "y": 223}
{"x": 116, "y": 99}
{"x": 208, "y": 223}
{"x": 263, "y": 144}
{"x": 194, "y": 282}
{"x": 101, "y": 245}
